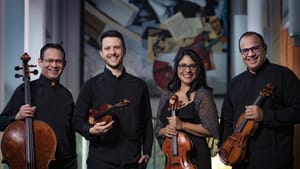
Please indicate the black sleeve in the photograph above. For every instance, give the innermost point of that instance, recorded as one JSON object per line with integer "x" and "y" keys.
{"x": 81, "y": 110}
{"x": 148, "y": 127}
{"x": 11, "y": 109}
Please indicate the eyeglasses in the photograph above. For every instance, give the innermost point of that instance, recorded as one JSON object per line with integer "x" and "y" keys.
{"x": 184, "y": 66}
{"x": 58, "y": 61}
{"x": 254, "y": 49}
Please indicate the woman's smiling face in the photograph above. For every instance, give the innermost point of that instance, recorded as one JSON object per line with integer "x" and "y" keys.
{"x": 186, "y": 70}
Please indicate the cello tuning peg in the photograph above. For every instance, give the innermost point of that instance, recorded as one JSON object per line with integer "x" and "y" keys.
{"x": 18, "y": 76}
{"x": 32, "y": 65}
{"x": 35, "y": 72}
{"x": 18, "y": 68}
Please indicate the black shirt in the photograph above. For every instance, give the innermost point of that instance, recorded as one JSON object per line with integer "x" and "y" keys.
{"x": 271, "y": 146}
{"x": 202, "y": 110}
{"x": 55, "y": 107}
{"x": 199, "y": 154}
{"x": 132, "y": 132}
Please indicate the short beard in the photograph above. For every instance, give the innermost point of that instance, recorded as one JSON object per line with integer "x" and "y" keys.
{"x": 119, "y": 65}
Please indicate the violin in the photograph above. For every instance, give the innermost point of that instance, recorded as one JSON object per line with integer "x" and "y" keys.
{"x": 176, "y": 148}
{"x": 234, "y": 148}
{"x": 103, "y": 113}
{"x": 28, "y": 143}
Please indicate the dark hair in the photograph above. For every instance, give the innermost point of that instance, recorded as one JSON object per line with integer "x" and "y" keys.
{"x": 111, "y": 33}
{"x": 251, "y": 33}
{"x": 52, "y": 45}
{"x": 198, "y": 82}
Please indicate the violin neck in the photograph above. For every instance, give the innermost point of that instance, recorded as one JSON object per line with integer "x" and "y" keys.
{"x": 242, "y": 125}
{"x": 174, "y": 146}
{"x": 258, "y": 102}
{"x": 174, "y": 140}
{"x": 104, "y": 113}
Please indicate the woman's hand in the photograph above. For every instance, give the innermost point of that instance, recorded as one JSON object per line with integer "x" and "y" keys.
{"x": 176, "y": 122}
{"x": 169, "y": 131}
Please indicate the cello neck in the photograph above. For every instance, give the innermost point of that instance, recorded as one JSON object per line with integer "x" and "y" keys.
{"x": 27, "y": 91}
{"x": 29, "y": 138}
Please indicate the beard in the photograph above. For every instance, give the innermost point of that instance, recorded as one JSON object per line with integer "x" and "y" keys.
{"x": 117, "y": 66}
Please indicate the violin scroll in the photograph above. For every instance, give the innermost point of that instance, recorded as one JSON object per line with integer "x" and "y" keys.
{"x": 267, "y": 91}
{"x": 173, "y": 103}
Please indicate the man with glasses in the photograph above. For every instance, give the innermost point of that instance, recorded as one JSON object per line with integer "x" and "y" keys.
{"x": 271, "y": 145}
{"x": 51, "y": 102}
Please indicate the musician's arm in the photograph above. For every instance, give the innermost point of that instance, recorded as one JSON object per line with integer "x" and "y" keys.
{"x": 195, "y": 129}
{"x": 226, "y": 122}
{"x": 207, "y": 111}
{"x": 8, "y": 115}
{"x": 159, "y": 128}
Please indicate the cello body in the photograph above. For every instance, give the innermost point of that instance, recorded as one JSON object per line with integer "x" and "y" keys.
{"x": 28, "y": 143}
{"x": 13, "y": 145}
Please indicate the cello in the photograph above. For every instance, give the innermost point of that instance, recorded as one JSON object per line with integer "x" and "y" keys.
{"x": 234, "y": 148}
{"x": 177, "y": 147}
{"x": 28, "y": 143}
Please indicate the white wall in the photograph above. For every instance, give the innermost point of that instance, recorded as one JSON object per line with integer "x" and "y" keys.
{"x": 2, "y": 51}
{"x": 13, "y": 44}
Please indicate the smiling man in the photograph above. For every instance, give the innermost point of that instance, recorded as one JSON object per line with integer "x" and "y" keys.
{"x": 51, "y": 102}
{"x": 271, "y": 146}
{"x": 126, "y": 141}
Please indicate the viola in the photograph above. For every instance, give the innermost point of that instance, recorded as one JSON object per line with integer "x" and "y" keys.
{"x": 176, "y": 148}
{"x": 103, "y": 113}
{"x": 28, "y": 143}
{"x": 234, "y": 148}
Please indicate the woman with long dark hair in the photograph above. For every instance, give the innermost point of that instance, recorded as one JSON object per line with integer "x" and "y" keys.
{"x": 196, "y": 115}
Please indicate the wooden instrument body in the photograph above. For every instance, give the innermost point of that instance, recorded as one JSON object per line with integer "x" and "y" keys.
{"x": 13, "y": 147}
{"x": 181, "y": 160}
{"x": 28, "y": 143}
{"x": 106, "y": 118}
{"x": 103, "y": 113}
{"x": 177, "y": 147}
{"x": 234, "y": 148}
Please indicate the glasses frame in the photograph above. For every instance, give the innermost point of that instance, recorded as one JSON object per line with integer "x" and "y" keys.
{"x": 183, "y": 66}
{"x": 57, "y": 61}
{"x": 254, "y": 49}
